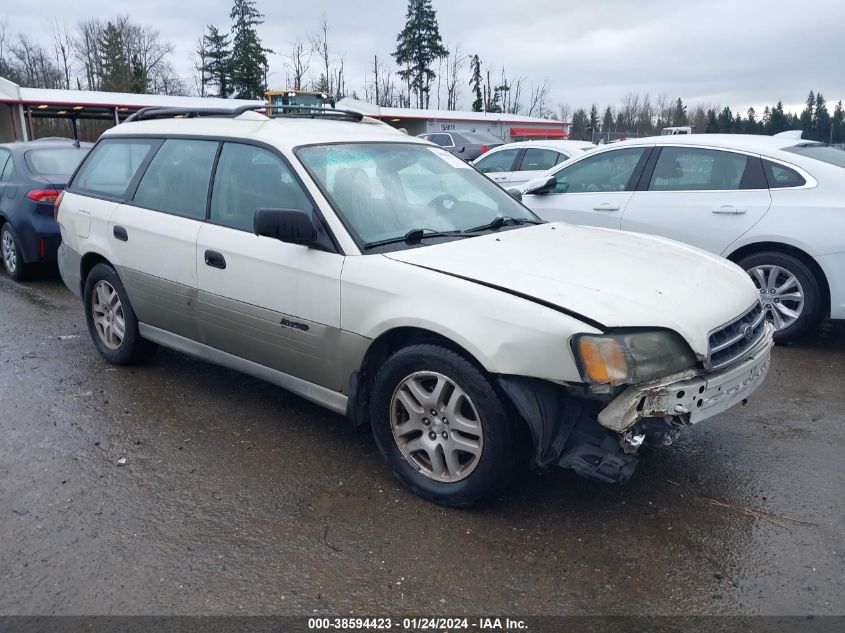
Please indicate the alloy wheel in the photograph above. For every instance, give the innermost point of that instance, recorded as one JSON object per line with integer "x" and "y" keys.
{"x": 107, "y": 313}
{"x": 436, "y": 426}
{"x": 10, "y": 253}
{"x": 781, "y": 293}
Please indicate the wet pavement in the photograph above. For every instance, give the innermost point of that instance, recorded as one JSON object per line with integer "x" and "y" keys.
{"x": 239, "y": 498}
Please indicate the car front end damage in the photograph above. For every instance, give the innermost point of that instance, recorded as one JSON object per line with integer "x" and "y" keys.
{"x": 597, "y": 430}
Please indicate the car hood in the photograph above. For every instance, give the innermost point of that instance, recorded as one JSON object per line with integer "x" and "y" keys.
{"x": 606, "y": 277}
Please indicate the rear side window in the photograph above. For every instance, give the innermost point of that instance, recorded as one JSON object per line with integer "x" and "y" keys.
{"x": 249, "y": 178}
{"x": 497, "y": 161}
{"x": 444, "y": 140}
{"x": 540, "y": 159}
{"x": 782, "y": 177}
{"x": 177, "y": 179}
{"x": 111, "y": 166}
{"x": 694, "y": 169}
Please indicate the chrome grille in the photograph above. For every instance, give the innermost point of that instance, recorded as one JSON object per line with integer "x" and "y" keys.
{"x": 730, "y": 342}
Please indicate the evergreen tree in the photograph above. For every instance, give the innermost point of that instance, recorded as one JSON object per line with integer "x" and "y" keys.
{"x": 578, "y": 131}
{"x": 607, "y": 122}
{"x": 821, "y": 121}
{"x": 712, "y": 122}
{"x": 417, "y": 47}
{"x": 751, "y": 125}
{"x": 725, "y": 121}
{"x": 218, "y": 62}
{"x": 593, "y": 123}
{"x": 838, "y": 123}
{"x": 777, "y": 121}
{"x": 737, "y": 125}
{"x": 679, "y": 114}
{"x": 249, "y": 58}
{"x": 475, "y": 83}
{"x": 806, "y": 120}
{"x": 113, "y": 60}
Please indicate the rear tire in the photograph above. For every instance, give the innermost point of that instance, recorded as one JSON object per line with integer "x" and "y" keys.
{"x": 443, "y": 428}
{"x": 111, "y": 320}
{"x": 10, "y": 252}
{"x": 789, "y": 290}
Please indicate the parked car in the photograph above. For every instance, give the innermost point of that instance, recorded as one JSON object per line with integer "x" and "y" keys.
{"x": 773, "y": 205}
{"x": 465, "y": 145}
{"x": 31, "y": 176}
{"x": 514, "y": 164}
{"x": 383, "y": 278}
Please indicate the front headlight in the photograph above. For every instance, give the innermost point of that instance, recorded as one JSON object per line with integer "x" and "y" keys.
{"x": 631, "y": 357}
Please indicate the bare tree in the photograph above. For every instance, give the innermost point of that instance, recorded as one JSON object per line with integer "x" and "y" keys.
{"x": 298, "y": 62}
{"x": 539, "y": 94}
{"x": 63, "y": 47}
{"x": 320, "y": 47}
{"x": 87, "y": 51}
{"x": 455, "y": 63}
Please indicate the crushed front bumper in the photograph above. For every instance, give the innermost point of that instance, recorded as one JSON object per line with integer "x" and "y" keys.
{"x": 692, "y": 396}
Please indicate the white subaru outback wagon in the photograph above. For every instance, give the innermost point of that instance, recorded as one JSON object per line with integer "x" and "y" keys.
{"x": 381, "y": 277}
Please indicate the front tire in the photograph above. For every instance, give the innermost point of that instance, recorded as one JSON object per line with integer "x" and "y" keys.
{"x": 443, "y": 428}
{"x": 789, "y": 291}
{"x": 111, "y": 320}
{"x": 10, "y": 252}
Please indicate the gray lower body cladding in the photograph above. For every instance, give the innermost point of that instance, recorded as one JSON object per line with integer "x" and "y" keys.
{"x": 565, "y": 432}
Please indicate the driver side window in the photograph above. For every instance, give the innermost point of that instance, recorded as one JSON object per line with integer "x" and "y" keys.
{"x": 605, "y": 172}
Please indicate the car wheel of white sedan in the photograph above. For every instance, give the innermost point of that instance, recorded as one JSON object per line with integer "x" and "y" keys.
{"x": 443, "y": 428}
{"x": 789, "y": 292}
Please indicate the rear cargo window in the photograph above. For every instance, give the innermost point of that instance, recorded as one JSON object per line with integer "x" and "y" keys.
{"x": 54, "y": 162}
{"x": 824, "y": 153}
{"x": 111, "y": 166}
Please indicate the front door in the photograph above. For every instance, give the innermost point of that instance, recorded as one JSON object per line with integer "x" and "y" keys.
{"x": 269, "y": 302}
{"x": 593, "y": 190}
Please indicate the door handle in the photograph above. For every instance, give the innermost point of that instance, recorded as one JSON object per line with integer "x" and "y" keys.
{"x": 500, "y": 178}
{"x": 215, "y": 259}
{"x": 606, "y": 206}
{"x": 728, "y": 209}
{"x": 120, "y": 233}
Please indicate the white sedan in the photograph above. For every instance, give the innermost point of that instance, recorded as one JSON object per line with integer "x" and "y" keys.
{"x": 514, "y": 164}
{"x": 773, "y": 205}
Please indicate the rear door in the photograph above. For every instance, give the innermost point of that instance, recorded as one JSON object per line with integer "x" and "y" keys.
{"x": 155, "y": 234}
{"x": 534, "y": 162}
{"x": 593, "y": 190}
{"x": 261, "y": 299}
{"x": 499, "y": 165}
{"x": 701, "y": 196}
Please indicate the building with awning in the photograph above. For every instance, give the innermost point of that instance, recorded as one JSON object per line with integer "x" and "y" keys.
{"x": 21, "y": 108}
{"x": 508, "y": 127}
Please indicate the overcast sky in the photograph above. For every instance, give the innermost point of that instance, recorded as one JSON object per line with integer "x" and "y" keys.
{"x": 728, "y": 52}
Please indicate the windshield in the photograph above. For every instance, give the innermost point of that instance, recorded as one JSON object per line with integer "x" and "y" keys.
{"x": 824, "y": 153}
{"x": 54, "y": 162}
{"x": 384, "y": 190}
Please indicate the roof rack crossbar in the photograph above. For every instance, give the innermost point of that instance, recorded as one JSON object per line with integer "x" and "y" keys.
{"x": 304, "y": 111}
{"x": 299, "y": 111}
{"x": 162, "y": 113}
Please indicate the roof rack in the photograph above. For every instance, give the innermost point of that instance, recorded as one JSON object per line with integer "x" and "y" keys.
{"x": 295, "y": 111}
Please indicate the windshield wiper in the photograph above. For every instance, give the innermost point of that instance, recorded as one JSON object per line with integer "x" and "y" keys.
{"x": 414, "y": 236}
{"x": 498, "y": 222}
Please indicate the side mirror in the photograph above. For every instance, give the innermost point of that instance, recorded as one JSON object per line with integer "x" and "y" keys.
{"x": 541, "y": 185}
{"x": 516, "y": 193}
{"x": 288, "y": 225}
{"x": 463, "y": 149}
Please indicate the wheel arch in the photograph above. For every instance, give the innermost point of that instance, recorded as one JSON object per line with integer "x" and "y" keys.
{"x": 87, "y": 263}
{"x": 361, "y": 381}
{"x": 787, "y": 249}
